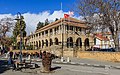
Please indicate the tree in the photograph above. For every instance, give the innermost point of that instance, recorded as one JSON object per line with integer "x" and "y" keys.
{"x": 20, "y": 25}
{"x": 101, "y": 15}
{"x": 56, "y": 19}
{"x": 19, "y": 28}
{"x": 46, "y": 22}
{"x": 6, "y": 25}
{"x": 40, "y": 25}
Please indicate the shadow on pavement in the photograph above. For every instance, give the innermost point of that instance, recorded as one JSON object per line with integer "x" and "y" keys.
{"x": 3, "y": 66}
{"x": 55, "y": 68}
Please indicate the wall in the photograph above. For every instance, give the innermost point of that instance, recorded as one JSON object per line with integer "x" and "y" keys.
{"x": 103, "y": 56}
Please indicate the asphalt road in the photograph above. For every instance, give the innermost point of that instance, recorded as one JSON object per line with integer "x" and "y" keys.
{"x": 61, "y": 69}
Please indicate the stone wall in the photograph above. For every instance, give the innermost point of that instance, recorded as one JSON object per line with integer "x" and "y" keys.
{"x": 68, "y": 53}
{"x": 103, "y": 56}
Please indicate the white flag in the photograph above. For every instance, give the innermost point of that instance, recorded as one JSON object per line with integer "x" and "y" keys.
{"x": 71, "y": 13}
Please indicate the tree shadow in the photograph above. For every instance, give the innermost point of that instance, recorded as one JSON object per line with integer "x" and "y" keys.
{"x": 55, "y": 68}
{"x": 3, "y": 66}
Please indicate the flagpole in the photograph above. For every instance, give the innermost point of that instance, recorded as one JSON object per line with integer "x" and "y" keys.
{"x": 61, "y": 5}
{"x": 62, "y": 33}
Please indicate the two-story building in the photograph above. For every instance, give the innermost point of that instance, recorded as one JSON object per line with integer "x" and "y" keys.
{"x": 63, "y": 34}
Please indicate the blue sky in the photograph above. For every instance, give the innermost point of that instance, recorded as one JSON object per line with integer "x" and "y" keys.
{"x": 34, "y": 6}
{"x": 36, "y": 10}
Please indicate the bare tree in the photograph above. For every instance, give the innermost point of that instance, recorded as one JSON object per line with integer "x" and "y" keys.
{"x": 101, "y": 15}
{"x": 6, "y": 25}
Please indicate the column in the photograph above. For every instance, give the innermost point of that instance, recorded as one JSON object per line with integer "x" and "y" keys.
{"x": 34, "y": 44}
{"x": 38, "y": 36}
{"x": 59, "y": 30}
{"x": 38, "y": 44}
{"x": 64, "y": 30}
{"x": 53, "y": 36}
{"x": 49, "y": 39}
{"x": 34, "y": 37}
{"x": 44, "y": 33}
{"x": 53, "y": 30}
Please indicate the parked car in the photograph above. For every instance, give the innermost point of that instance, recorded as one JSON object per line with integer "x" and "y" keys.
{"x": 108, "y": 50}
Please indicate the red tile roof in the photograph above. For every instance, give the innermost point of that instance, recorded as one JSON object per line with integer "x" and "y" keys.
{"x": 103, "y": 38}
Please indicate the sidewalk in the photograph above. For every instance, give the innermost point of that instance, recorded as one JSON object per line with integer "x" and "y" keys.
{"x": 83, "y": 62}
{"x": 88, "y": 62}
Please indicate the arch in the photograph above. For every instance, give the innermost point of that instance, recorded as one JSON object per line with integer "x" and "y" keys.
{"x": 94, "y": 41}
{"x": 70, "y": 42}
{"x": 79, "y": 42}
{"x": 56, "y": 41}
{"x": 51, "y": 43}
{"x": 36, "y": 44}
{"x": 86, "y": 43}
{"x": 46, "y": 43}
{"x": 42, "y": 43}
{"x": 39, "y": 44}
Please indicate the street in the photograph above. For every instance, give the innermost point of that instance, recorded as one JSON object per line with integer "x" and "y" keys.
{"x": 62, "y": 69}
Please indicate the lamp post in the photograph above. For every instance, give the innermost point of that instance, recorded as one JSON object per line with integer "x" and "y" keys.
{"x": 19, "y": 18}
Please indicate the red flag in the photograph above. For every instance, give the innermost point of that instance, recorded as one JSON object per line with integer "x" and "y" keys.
{"x": 66, "y": 15}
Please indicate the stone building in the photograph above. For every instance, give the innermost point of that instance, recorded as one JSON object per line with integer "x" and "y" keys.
{"x": 63, "y": 34}
{"x": 23, "y": 42}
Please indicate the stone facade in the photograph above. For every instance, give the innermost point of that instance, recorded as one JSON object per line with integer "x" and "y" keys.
{"x": 64, "y": 34}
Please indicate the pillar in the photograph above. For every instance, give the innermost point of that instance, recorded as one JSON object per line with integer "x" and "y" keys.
{"x": 49, "y": 39}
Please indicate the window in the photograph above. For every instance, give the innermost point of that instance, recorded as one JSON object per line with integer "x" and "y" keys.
{"x": 50, "y": 30}
{"x": 36, "y": 35}
{"x": 46, "y": 32}
{"x": 39, "y": 34}
{"x": 76, "y": 28}
{"x": 42, "y": 33}
{"x": 79, "y": 29}
{"x": 57, "y": 28}
{"x": 71, "y": 27}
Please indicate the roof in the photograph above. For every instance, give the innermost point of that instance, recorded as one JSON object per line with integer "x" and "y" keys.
{"x": 102, "y": 38}
{"x": 103, "y": 33}
{"x": 65, "y": 21}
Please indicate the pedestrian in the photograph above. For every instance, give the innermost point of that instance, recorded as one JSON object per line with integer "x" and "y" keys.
{"x": 11, "y": 54}
{"x": 0, "y": 50}
{"x": 40, "y": 54}
{"x": 14, "y": 55}
{"x": 10, "y": 61}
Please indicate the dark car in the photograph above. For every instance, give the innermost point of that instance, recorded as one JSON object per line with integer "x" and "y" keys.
{"x": 108, "y": 50}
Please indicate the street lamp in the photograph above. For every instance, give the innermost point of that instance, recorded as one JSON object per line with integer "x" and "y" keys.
{"x": 19, "y": 18}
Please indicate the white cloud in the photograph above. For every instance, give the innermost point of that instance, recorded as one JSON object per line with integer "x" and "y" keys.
{"x": 5, "y": 15}
{"x": 32, "y": 19}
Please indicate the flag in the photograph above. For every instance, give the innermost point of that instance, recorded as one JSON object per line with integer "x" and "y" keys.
{"x": 71, "y": 13}
{"x": 66, "y": 15}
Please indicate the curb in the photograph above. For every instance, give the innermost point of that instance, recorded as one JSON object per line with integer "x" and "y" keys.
{"x": 82, "y": 64}
{"x": 90, "y": 65}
